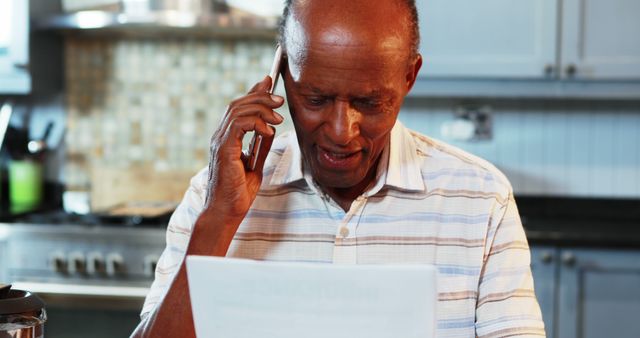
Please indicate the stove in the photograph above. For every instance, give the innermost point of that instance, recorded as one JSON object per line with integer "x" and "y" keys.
{"x": 92, "y": 272}
{"x": 100, "y": 260}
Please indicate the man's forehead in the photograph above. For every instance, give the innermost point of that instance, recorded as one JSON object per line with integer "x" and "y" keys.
{"x": 354, "y": 9}
{"x": 354, "y": 23}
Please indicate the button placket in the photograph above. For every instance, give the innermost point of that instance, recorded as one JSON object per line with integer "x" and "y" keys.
{"x": 345, "y": 250}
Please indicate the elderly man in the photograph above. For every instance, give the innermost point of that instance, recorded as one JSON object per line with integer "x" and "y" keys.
{"x": 352, "y": 185}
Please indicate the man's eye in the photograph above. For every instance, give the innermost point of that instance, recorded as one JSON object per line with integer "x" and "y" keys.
{"x": 368, "y": 103}
{"x": 316, "y": 101}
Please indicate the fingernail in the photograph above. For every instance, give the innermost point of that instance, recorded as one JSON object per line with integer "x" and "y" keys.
{"x": 279, "y": 117}
{"x": 277, "y": 99}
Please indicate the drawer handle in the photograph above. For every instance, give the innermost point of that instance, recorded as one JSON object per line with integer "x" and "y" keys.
{"x": 546, "y": 257}
{"x": 569, "y": 259}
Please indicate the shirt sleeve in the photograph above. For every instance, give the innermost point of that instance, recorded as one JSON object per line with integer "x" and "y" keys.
{"x": 507, "y": 305}
{"x": 178, "y": 235}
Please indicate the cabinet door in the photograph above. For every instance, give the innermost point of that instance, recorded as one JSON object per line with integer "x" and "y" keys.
{"x": 14, "y": 43}
{"x": 544, "y": 268}
{"x": 599, "y": 294}
{"x": 600, "y": 39}
{"x": 490, "y": 38}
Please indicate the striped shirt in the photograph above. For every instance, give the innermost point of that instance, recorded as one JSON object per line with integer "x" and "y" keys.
{"x": 430, "y": 203}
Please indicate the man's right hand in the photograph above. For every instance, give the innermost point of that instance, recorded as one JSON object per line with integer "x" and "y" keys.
{"x": 231, "y": 191}
{"x": 231, "y": 187}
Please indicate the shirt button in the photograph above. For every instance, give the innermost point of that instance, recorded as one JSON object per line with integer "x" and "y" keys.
{"x": 344, "y": 232}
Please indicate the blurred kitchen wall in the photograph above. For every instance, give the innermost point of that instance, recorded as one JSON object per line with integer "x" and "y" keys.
{"x": 152, "y": 106}
{"x": 141, "y": 112}
{"x": 147, "y": 108}
{"x": 579, "y": 148}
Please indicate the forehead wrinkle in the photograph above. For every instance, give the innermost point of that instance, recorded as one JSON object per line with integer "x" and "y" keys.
{"x": 341, "y": 37}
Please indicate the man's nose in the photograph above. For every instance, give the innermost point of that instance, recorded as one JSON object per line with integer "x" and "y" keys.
{"x": 344, "y": 124}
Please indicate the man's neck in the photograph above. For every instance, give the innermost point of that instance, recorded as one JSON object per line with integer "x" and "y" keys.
{"x": 344, "y": 197}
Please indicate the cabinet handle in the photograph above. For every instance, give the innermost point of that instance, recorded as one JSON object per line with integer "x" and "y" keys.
{"x": 546, "y": 257}
{"x": 21, "y": 66}
{"x": 569, "y": 259}
{"x": 549, "y": 69}
{"x": 572, "y": 70}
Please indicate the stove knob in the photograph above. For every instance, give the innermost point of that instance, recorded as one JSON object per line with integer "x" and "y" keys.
{"x": 77, "y": 263}
{"x": 58, "y": 262}
{"x": 115, "y": 264}
{"x": 150, "y": 263}
{"x": 95, "y": 263}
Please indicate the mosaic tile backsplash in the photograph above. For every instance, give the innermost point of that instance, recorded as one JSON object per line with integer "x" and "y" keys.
{"x": 152, "y": 105}
{"x": 141, "y": 113}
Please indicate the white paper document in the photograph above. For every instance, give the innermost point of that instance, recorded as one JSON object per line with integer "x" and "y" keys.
{"x": 249, "y": 299}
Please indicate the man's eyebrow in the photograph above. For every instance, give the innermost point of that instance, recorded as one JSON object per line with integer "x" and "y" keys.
{"x": 373, "y": 93}
{"x": 376, "y": 93}
{"x": 309, "y": 88}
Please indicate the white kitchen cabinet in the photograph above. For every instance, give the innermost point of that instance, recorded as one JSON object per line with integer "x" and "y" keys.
{"x": 544, "y": 270}
{"x": 530, "y": 39}
{"x": 587, "y": 292}
{"x": 601, "y": 39}
{"x": 598, "y": 294}
{"x": 14, "y": 46}
{"x": 490, "y": 38}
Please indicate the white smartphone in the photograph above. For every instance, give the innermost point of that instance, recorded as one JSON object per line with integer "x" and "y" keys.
{"x": 253, "y": 152}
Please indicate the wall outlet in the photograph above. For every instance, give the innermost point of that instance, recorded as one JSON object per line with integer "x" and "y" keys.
{"x": 480, "y": 117}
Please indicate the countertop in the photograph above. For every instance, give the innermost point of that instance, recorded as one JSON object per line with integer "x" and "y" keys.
{"x": 606, "y": 223}
{"x": 581, "y": 221}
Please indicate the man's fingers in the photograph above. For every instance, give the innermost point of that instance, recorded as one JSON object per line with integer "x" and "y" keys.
{"x": 268, "y": 100}
{"x": 265, "y": 147}
{"x": 265, "y": 113}
{"x": 262, "y": 86}
{"x": 252, "y": 112}
{"x": 238, "y": 127}
{"x": 258, "y": 110}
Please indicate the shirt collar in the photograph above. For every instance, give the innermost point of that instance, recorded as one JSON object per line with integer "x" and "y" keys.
{"x": 289, "y": 167}
{"x": 399, "y": 166}
{"x": 404, "y": 165}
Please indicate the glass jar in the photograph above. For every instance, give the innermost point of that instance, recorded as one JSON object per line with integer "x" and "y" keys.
{"x": 22, "y": 314}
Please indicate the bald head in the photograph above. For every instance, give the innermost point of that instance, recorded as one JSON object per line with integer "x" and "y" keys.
{"x": 349, "y": 66}
{"x": 390, "y": 23}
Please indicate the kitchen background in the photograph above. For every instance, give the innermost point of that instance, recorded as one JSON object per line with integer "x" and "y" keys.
{"x": 547, "y": 90}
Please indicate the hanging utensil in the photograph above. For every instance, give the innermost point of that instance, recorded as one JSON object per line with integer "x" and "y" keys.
{"x": 38, "y": 146}
{"x": 5, "y": 117}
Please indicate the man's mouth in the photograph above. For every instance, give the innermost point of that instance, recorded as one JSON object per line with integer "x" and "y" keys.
{"x": 341, "y": 160}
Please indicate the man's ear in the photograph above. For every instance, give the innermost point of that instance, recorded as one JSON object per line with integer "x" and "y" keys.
{"x": 412, "y": 72}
